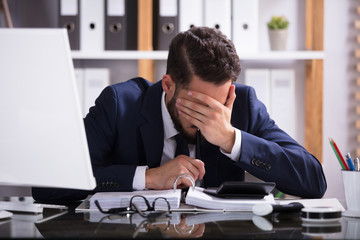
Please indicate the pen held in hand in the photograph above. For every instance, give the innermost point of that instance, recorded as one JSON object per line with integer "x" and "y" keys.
{"x": 197, "y": 150}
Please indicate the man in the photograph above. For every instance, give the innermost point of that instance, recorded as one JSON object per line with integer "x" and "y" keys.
{"x": 132, "y": 129}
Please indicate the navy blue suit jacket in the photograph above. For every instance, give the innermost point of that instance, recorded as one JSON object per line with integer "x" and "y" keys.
{"x": 125, "y": 130}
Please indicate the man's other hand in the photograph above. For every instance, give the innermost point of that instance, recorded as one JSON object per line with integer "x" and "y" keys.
{"x": 163, "y": 177}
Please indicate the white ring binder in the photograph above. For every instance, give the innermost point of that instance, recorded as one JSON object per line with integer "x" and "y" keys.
{"x": 184, "y": 175}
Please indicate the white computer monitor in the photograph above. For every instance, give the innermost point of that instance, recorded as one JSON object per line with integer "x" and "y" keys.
{"x": 42, "y": 135}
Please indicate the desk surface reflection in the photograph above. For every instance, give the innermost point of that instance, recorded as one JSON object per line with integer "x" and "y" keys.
{"x": 239, "y": 225}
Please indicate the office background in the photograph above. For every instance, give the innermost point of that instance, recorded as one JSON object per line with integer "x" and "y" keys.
{"x": 339, "y": 69}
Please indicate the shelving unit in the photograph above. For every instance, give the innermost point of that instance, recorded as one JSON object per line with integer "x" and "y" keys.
{"x": 313, "y": 57}
{"x": 162, "y": 55}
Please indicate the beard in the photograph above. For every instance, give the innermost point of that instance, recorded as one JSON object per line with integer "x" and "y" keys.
{"x": 177, "y": 124}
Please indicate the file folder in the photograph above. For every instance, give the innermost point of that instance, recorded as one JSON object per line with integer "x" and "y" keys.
{"x": 191, "y": 13}
{"x": 95, "y": 80}
{"x": 115, "y": 25}
{"x": 260, "y": 80}
{"x": 69, "y": 19}
{"x": 79, "y": 77}
{"x": 245, "y": 26}
{"x": 166, "y": 24}
{"x": 131, "y": 11}
{"x": 218, "y": 15}
{"x": 92, "y": 25}
{"x": 283, "y": 99}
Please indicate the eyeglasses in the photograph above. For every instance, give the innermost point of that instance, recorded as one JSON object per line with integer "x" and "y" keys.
{"x": 159, "y": 206}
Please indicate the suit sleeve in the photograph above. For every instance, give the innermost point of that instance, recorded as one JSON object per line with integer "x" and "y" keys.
{"x": 100, "y": 125}
{"x": 270, "y": 154}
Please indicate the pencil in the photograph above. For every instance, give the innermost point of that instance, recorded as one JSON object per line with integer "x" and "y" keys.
{"x": 337, "y": 155}
{"x": 340, "y": 155}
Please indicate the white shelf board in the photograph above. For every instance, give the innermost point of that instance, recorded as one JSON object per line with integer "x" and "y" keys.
{"x": 282, "y": 55}
{"x": 121, "y": 55}
{"x": 162, "y": 55}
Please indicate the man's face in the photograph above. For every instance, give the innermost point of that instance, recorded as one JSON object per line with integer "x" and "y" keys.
{"x": 218, "y": 92}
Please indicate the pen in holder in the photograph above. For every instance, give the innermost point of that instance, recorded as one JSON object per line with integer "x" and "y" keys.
{"x": 352, "y": 192}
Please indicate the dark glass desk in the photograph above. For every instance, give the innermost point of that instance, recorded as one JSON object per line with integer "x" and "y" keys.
{"x": 180, "y": 225}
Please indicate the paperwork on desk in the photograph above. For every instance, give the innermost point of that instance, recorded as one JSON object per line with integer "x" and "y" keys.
{"x": 196, "y": 201}
{"x": 122, "y": 199}
{"x": 198, "y": 198}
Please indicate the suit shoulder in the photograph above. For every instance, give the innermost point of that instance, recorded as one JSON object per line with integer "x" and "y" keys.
{"x": 243, "y": 88}
{"x": 130, "y": 89}
{"x": 244, "y": 91}
{"x": 133, "y": 85}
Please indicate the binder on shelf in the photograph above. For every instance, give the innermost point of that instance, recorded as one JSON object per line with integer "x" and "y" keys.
{"x": 69, "y": 19}
{"x": 259, "y": 79}
{"x": 283, "y": 99}
{"x": 190, "y": 14}
{"x": 115, "y": 25}
{"x": 166, "y": 24}
{"x": 92, "y": 25}
{"x": 95, "y": 80}
{"x": 131, "y": 9}
{"x": 79, "y": 77}
{"x": 218, "y": 15}
{"x": 245, "y": 25}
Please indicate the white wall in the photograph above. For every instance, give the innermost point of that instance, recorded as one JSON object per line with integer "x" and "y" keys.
{"x": 339, "y": 68}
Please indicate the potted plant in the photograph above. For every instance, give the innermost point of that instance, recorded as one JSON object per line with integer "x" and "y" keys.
{"x": 277, "y": 27}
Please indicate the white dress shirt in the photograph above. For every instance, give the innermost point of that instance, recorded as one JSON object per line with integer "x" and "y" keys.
{"x": 170, "y": 146}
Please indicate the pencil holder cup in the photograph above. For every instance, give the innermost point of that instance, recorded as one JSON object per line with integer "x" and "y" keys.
{"x": 351, "y": 180}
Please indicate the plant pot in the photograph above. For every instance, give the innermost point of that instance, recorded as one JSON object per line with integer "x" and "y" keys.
{"x": 278, "y": 39}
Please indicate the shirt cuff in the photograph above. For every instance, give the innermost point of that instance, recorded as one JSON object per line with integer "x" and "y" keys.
{"x": 235, "y": 151}
{"x": 139, "y": 178}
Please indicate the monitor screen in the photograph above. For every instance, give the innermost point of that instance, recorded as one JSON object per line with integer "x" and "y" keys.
{"x": 42, "y": 136}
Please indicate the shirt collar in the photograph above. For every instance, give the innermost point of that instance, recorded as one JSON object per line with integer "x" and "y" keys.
{"x": 169, "y": 129}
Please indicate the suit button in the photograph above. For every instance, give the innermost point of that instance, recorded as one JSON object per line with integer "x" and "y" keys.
{"x": 253, "y": 161}
{"x": 257, "y": 163}
{"x": 268, "y": 167}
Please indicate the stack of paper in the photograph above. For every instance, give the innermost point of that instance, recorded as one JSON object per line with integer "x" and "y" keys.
{"x": 122, "y": 199}
{"x": 198, "y": 198}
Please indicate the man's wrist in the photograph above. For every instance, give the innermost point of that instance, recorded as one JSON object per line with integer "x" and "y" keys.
{"x": 149, "y": 183}
{"x": 229, "y": 144}
{"x": 235, "y": 151}
{"x": 139, "y": 178}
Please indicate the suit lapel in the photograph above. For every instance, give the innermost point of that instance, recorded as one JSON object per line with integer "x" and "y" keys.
{"x": 152, "y": 131}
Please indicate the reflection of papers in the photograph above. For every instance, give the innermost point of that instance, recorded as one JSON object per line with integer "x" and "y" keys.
{"x": 198, "y": 198}
{"x": 217, "y": 217}
{"x": 173, "y": 218}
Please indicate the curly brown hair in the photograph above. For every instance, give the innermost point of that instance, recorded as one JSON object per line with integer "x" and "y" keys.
{"x": 204, "y": 52}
